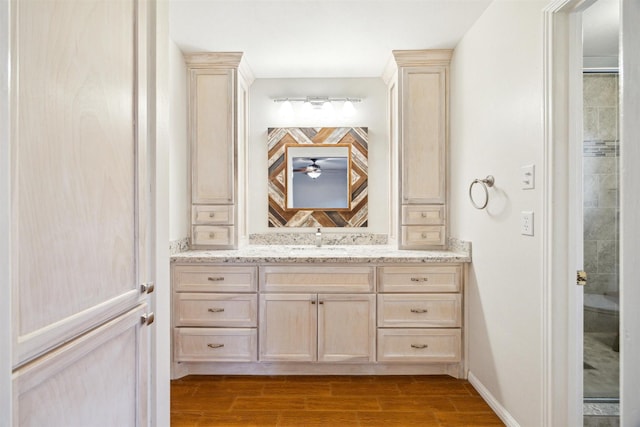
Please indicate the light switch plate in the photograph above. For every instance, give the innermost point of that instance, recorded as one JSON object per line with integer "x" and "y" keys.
{"x": 528, "y": 177}
{"x": 526, "y": 223}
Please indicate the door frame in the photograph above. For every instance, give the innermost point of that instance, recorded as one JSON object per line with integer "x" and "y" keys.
{"x": 562, "y": 324}
{"x": 5, "y": 226}
{"x": 629, "y": 204}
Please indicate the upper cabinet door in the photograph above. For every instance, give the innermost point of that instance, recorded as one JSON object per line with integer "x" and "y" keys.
{"x": 424, "y": 127}
{"x": 211, "y": 113}
{"x": 80, "y": 190}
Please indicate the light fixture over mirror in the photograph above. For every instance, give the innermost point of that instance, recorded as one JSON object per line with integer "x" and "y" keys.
{"x": 324, "y": 103}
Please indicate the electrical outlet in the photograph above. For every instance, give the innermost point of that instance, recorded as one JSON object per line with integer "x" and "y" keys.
{"x": 528, "y": 177}
{"x": 526, "y": 223}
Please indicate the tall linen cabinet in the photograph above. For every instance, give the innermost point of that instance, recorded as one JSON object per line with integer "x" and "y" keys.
{"x": 80, "y": 253}
{"x": 418, "y": 88}
{"x": 218, "y": 127}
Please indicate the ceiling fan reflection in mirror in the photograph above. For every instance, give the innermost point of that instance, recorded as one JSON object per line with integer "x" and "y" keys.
{"x": 312, "y": 170}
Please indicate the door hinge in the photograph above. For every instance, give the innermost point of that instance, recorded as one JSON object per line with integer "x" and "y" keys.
{"x": 147, "y": 288}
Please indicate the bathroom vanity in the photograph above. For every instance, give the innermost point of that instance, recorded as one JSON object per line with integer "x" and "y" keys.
{"x": 353, "y": 309}
{"x": 333, "y": 310}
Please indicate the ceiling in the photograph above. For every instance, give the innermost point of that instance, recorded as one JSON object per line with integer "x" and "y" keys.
{"x": 601, "y": 23}
{"x": 320, "y": 38}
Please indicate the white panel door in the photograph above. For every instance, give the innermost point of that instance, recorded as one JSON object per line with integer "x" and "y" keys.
{"x": 79, "y": 385}
{"x": 80, "y": 213}
{"x": 77, "y": 153}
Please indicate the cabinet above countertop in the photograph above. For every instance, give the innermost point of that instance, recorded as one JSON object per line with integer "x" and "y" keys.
{"x": 325, "y": 254}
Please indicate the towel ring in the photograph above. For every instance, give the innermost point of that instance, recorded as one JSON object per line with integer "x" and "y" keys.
{"x": 487, "y": 182}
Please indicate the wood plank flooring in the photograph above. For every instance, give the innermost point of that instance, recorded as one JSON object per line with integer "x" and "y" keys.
{"x": 300, "y": 401}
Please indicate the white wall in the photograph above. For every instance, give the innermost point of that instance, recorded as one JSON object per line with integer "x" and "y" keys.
{"x": 371, "y": 113}
{"x": 496, "y": 127}
{"x": 178, "y": 147}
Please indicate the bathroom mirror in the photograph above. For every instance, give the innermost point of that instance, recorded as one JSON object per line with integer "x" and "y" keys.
{"x": 318, "y": 177}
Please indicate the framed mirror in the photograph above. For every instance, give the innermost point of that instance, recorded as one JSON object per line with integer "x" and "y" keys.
{"x": 318, "y": 177}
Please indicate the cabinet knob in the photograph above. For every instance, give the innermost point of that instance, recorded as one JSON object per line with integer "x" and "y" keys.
{"x": 147, "y": 318}
{"x": 212, "y": 235}
{"x": 423, "y": 215}
{"x": 212, "y": 214}
{"x": 321, "y": 302}
{"x": 313, "y": 302}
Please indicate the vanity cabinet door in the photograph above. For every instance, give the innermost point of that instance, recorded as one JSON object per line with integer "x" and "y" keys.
{"x": 346, "y": 328}
{"x": 288, "y": 327}
{"x": 423, "y": 135}
{"x": 212, "y": 136}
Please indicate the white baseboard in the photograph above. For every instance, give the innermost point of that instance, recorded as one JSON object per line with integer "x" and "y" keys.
{"x": 500, "y": 411}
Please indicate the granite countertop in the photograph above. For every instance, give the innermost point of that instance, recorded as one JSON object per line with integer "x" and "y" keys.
{"x": 324, "y": 254}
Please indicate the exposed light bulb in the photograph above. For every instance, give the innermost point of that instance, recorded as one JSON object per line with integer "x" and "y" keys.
{"x": 327, "y": 106}
{"x": 313, "y": 174}
{"x": 348, "y": 110}
{"x": 306, "y": 109}
{"x": 286, "y": 109}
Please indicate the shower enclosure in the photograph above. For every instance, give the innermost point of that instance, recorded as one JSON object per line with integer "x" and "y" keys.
{"x": 601, "y": 237}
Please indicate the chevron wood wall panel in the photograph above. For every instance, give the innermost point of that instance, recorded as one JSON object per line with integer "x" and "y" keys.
{"x": 280, "y": 215}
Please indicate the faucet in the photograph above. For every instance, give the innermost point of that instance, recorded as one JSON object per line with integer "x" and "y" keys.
{"x": 318, "y": 238}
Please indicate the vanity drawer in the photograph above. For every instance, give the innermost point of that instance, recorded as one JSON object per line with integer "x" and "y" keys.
{"x": 420, "y": 279}
{"x": 227, "y": 310}
{"x": 422, "y": 215}
{"x": 215, "y": 345}
{"x": 419, "y": 345}
{"x": 316, "y": 279}
{"x": 423, "y": 235}
{"x": 419, "y": 310}
{"x": 212, "y": 214}
{"x": 210, "y": 235}
{"x": 208, "y": 278}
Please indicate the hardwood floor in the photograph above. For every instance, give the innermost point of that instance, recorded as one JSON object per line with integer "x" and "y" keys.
{"x": 299, "y": 401}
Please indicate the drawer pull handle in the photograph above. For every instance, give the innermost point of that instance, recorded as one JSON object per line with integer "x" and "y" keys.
{"x": 215, "y": 279}
{"x": 424, "y": 234}
{"x": 419, "y": 279}
{"x": 419, "y": 310}
{"x": 419, "y": 346}
{"x": 212, "y": 235}
{"x": 216, "y": 310}
{"x": 313, "y": 302}
{"x": 212, "y": 214}
{"x": 215, "y": 345}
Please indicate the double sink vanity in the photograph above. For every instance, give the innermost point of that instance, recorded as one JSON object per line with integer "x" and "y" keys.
{"x": 354, "y": 309}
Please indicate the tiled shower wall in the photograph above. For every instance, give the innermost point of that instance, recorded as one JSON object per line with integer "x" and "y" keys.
{"x": 601, "y": 207}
